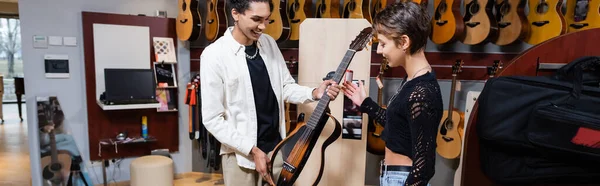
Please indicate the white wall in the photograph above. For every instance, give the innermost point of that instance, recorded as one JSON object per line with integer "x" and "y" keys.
{"x": 63, "y": 18}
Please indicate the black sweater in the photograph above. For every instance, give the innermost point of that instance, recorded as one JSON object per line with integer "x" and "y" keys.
{"x": 410, "y": 124}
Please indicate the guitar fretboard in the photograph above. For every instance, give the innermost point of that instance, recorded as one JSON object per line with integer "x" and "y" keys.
{"x": 324, "y": 101}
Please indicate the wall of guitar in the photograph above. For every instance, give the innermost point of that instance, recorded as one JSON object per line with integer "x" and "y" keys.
{"x": 471, "y": 22}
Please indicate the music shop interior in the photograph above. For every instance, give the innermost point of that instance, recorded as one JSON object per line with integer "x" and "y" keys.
{"x": 114, "y": 92}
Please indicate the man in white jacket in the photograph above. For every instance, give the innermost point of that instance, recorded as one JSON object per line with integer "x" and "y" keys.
{"x": 244, "y": 84}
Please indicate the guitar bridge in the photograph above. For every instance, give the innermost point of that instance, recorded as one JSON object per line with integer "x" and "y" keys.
{"x": 441, "y": 23}
{"x": 472, "y": 24}
{"x": 289, "y": 167}
{"x": 503, "y": 24}
{"x": 578, "y": 25}
{"x": 540, "y": 23}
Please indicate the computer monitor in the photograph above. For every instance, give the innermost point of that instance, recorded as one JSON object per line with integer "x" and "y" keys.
{"x": 129, "y": 84}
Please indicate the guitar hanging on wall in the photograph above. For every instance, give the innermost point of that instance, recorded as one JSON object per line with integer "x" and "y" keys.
{"x": 297, "y": 147}
{"x": 327, "y": 9}
{"x": 447, "y": 23}
{"x": 448, "y": 137}
{"x": 582, "y": 15}
{"x": 512, "y": 21}
{"x": 375, "y": 144}
{"x": 546, "y": 20}
{"x": 216, "y": 19}
{"x": 480, "y": 27}
{"x": 296, "y": 10}
{"x": 188, "y": 26}
{"x": 279, "y": 24}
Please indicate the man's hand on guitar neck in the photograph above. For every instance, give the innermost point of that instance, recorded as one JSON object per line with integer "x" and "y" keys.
{"x": 262, "y": 161}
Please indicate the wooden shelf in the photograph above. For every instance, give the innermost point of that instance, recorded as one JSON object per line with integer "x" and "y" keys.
{"x": 128, "y": 106}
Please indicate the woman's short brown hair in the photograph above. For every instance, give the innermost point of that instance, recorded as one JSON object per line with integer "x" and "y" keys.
{"x": 404, "y": 18}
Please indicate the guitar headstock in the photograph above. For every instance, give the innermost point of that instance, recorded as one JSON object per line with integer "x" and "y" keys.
{"x": 457, "y": 67}
{"x": 362, "y": 39}
{"x": 494, "y": 68}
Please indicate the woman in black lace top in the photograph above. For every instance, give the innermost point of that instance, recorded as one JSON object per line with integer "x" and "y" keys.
{"x": 415, "y": 110}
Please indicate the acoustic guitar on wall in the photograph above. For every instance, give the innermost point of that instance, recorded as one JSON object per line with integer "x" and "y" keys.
{"x": 546, "y": 20}
{"x": 216, "y": 19}
{"x": 512, "y": 21}
{"x": 353, "y": 9}
{"x": 327, "y": 9}
{"x": 582, "y": 15}
{"x": 447, "y": 23}
{"x": 375, "y": 144}
{"x": 297, "y": 11}
{"x": 480, "y": 26}
{"x": 278, "y": 26}
{"x": 188, "y": 26}
{"x": 448, "y": 138}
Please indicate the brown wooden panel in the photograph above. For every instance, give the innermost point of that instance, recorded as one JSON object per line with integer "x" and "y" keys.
{"x": 474, "y": 63}
{"x": 562, "y": 49}
{"x": 107, "y": 124}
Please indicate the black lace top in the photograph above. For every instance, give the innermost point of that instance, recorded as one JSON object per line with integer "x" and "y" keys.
{"x": 411, "y": 122}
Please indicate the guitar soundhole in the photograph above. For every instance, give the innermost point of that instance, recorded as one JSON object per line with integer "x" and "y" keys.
{"x": 504, "y": 8}
{"x": 542, "y": 8}
{"x": 184, "y": 6}
{"x": 474, "y": 8}
{"x": 210, "y": 6}
{"x": 443, "y": 7}
{"x": 352, "y": 5}
{"x": 55, "y": 167}
{"x": 271, "y": 6}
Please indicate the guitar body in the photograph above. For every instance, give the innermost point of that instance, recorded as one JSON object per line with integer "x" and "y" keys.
{"x": 546, "y": 20}
{"x": 421, "y": 2}
{"x": 480, "y": 26}
{"x": 216, "y": 19}
{"x": 296, "y": 10}
{"x": 58, "y": 172}
{"x": 512, "y": 21}
{"x": 188, "y": 20}
{"x": 301, "y": 144}
{"x": 586, "y": 19}
{"x": 447, "y": 23}
{"x": 375, "y": 144}
{"x": 327, "y": 9}
{"x": 279, "y": 25}
{"x": 353, "y": 9}
{"x": 448, "y": 144}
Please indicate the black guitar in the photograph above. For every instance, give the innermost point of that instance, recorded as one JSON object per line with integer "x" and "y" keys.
{"x": 297, "y": 147}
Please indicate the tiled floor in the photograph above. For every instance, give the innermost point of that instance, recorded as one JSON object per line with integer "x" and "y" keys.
{"x": 14, "y": 152}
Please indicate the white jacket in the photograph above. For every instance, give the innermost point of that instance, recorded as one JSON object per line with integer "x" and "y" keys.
{"x": 228, "y": 109}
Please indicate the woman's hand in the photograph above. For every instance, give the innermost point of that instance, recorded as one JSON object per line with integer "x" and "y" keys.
{"x": 356, "y": 93}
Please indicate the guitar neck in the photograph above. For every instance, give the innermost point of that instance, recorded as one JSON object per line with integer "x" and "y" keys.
{"x": 452, "y": 92}
{"x": 53, "y": 151}
{"x": 324, "y": 101}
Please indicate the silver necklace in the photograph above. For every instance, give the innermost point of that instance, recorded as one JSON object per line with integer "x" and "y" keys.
{"x": 253, "y": 56}
{"x": 401, "y": 86}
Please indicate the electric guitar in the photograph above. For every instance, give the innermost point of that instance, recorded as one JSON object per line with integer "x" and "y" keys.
{"x": 447, "y": 23}
{"x": 188, "y": 24}
{"x": 582, "y": 15}
{"x": 448, "y": 137}
{"x": 216, "y": 19}
{"x": 512, "y": 21}
{"x": 327, "y": 9}
{"x": 296, "y": 10}
{"x": 297, "y": 147}
{"x": 353, "y": 9}
{"x": 279, "y": 25}
{"x": 546, "y": 20}
{"x": 480, "y": 26}
{"x": 375, "y": 144}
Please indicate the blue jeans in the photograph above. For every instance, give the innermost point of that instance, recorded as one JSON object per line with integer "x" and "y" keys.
{"x": 393, "y": 178}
